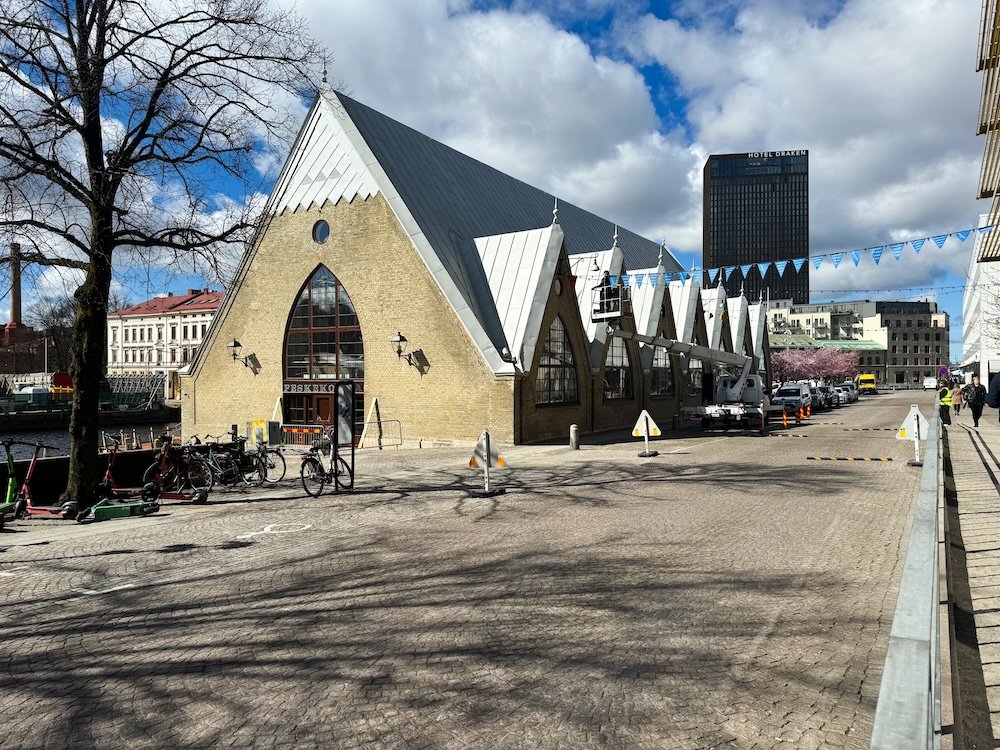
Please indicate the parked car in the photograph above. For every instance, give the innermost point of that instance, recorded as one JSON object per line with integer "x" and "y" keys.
{"x": 852, "y": 388}
{"x": 843, "y": 394}
{"x": 793, "y": 396}
{"x": 830, "y": 394}
{"x": 820, "y": 400}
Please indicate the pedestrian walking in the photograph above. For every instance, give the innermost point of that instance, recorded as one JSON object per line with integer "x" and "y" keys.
{"x": 944, "y": 402}
{"x": 993, "y": 394}
{"x": 974, "y": 396}
{"x": 956, "y": 398}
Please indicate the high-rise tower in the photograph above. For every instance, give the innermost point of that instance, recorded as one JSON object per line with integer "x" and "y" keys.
{"x": 757, "y": 210}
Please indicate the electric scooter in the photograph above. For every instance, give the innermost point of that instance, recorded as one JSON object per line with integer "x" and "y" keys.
{"x": 115, "y": 501}
{"x": 10, "y": 498}
{"x": 24, "y": 504}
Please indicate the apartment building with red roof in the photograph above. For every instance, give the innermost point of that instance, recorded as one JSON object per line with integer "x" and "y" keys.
{"x": 160, "y": 335}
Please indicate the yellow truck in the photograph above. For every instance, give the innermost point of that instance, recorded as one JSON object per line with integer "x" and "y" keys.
{"x": 866, "y": 384}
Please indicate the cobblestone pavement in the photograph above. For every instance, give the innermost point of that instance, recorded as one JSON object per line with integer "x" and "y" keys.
{"x": 726, "y": 593}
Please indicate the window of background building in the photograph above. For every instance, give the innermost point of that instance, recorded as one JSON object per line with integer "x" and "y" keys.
{"x": 617, "y": 371}
{"x": 173, "y": 333}
{"x": 556, "y": 382}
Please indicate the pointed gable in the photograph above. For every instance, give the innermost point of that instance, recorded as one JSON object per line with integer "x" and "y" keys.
{"x": 519, "y": 268}
{"x": 686, "y": 302}
{"x": 713, "y": 304}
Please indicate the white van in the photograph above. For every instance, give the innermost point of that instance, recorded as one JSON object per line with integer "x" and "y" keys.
{"x": 930, "y": 384}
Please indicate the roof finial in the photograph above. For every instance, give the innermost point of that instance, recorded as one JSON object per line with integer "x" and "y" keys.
{"x": 614, "y": 243}
{"x": 324, "y": 68}
{"x": 659, "y": 257}
{"x": 555, "y": 210}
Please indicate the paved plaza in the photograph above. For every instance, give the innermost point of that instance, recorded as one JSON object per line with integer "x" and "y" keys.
{"x": 729, "y": 592}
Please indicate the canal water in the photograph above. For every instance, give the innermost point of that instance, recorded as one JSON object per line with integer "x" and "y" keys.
{"x": 59, "y": 438}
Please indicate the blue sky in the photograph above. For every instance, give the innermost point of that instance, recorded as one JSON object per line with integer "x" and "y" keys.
{"x": 615, "y": 105}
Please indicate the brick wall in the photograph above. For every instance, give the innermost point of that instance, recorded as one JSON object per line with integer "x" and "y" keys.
{"x": 392, "y": 291}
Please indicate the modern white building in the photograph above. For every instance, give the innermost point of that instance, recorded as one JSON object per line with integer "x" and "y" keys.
{"x": 981, "y": 314}
{"x": 160, "y": 335}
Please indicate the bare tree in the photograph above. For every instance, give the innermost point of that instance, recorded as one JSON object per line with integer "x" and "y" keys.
{"x": 118, "y": 120}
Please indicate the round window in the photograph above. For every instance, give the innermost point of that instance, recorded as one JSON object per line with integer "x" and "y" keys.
{"x": 558, "y": 287}
{"x": 321, "y": 231}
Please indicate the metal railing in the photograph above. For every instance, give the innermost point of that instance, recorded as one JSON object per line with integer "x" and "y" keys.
{"x": 908, "y": 712}
{"x": 382, "y": 433}
{"x": 301, "y": 434}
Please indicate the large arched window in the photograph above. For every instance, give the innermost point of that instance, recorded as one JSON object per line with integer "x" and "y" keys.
{"x": 324, "y": 336}
{"x": 661, "y": 382}
{"x": 556, "y": 383}
{"x": 617, "y": 371}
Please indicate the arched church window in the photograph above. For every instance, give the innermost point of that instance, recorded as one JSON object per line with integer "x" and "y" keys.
{"x": 617, "y": 371}
{"x": 324, "y": 336}
{"x": 556, "y": 383}
{"x": 661, "y": 377}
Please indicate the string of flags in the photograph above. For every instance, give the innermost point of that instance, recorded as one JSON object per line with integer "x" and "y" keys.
{"x": 876, "y": 253}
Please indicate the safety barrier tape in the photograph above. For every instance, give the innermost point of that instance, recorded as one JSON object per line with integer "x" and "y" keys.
{"x": 869, "y": 429}
{"x": 849, "y": 458}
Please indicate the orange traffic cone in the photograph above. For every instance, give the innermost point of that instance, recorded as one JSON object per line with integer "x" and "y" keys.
{"x": 809, "y": 410}
{"x": 784, "y": 419}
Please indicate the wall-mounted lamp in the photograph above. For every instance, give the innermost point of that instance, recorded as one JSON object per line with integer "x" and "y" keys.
{"x": 250, "y": 361}
{"x": 415, "y": 358}
{"x": 506, "y": 356}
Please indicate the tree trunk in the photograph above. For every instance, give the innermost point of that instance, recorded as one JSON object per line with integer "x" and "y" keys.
{"x": 86, "y": 356}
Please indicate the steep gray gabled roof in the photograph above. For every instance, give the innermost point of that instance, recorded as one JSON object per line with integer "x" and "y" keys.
{"x": 444, "y": 199}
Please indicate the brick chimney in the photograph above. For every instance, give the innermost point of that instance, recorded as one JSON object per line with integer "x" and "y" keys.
{"x": 15, "y": 284}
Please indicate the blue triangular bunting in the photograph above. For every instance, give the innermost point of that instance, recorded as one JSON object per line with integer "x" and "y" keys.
{"x": 683, "y": 275}
{"x": 780, "y": 266}
{"x": 762, "y": 268}
{"x": 963, "y": 235}
{"x": 897, "y": 249}
{"x": 877, "y": 253}
{"x": 637, "y": 280}
{"x": 836, "y": 258}
{"x": 798, "y": 263}
{"x": 729, "y": 271}
{"x": 984, "y": 230}
{"x": 713, "y": 274}
{"x": 940, "y": 240}
{"x": 746, "y": 269}
{"x": 614, "y": 280}
{"x": 917, "y": 244}
{"x": 817, "y": 261}
{"x": 667, "y": 278}
{"x": 625, "y": 278}
{"x": 856, "y": 256}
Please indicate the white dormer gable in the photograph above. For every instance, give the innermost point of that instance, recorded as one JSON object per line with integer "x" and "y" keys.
{"x": 738, "y": 316}
{"x": 519, "y": 267}
{"x": 685, "y": 298}
{"x": 713, "y": 303}
{"x": 758, "y": 329}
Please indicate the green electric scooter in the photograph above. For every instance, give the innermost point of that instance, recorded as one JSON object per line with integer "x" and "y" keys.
{"x": 10, "y": 497}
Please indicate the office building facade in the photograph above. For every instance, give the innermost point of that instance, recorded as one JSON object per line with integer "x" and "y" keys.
{"x": 756, "y": 209}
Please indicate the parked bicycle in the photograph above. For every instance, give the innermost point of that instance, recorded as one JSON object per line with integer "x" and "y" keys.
{"x": 264, "y": 464}
{"x": 179, "y": 473}
{"x": 323, "y": 465}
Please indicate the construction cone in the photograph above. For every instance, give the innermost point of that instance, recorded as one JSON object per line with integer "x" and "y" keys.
{"x": 784, "y": 419}
{"x": 809, "y": 410}
{"x": 798, "y": 416}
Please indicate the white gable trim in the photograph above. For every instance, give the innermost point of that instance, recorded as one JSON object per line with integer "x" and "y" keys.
{"x": 519, "y": 267}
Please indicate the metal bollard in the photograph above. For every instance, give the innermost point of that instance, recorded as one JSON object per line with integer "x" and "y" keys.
{"x": 574, "y": 437}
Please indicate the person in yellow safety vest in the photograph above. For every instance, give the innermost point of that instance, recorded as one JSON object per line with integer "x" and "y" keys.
{"x": 944, "y": 402}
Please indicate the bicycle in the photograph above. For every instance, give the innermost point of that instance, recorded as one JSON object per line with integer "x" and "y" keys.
{"x": 265, "y": 463}
{"x": 179, "y": 472}
{"x": 314, "y": 472}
